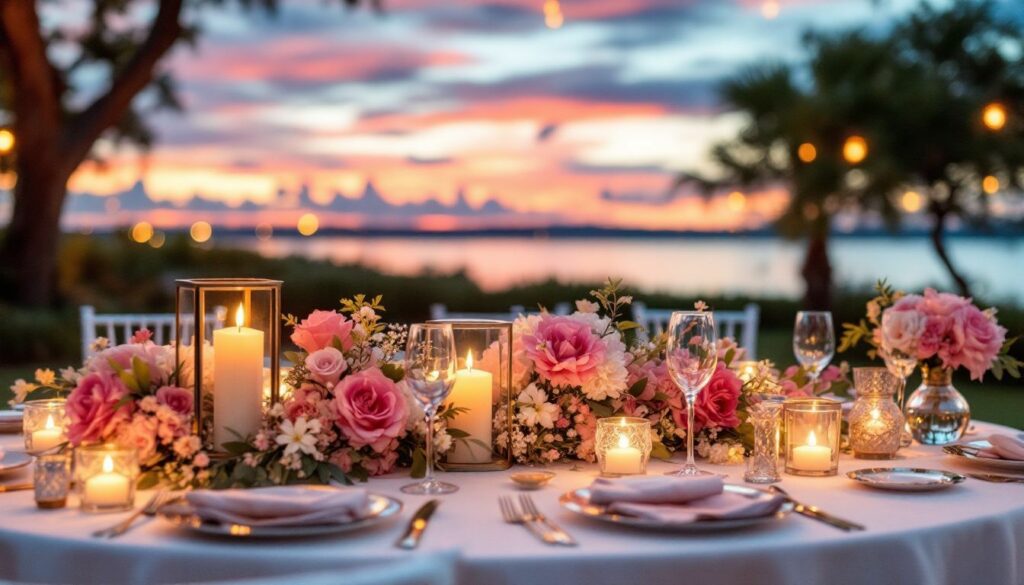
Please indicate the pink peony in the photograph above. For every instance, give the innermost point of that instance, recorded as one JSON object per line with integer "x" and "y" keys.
{"x": 91, "y": 408}
{"x": 902, "y": 329}
{"x": 371, "y": 409}
{"x": 326, "y": 365}
{"x": 304, "y": 401}
{"x": 382, "y": 464}
{"x": 564, "y": 351}
{"x": 177, "y": 399}
{"x": 976, "y": 341}
{"x": 717, "y": 403}
{"x": 319, "y": 330}
{"x": 140, "y": 434}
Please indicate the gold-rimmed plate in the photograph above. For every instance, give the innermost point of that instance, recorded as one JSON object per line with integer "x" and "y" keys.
{"x": 968, "y": 456}
{"x": 906, "y": 479}
{"x": 14, "y": 460}
{"x": 381, "y": 508}
{"x": 578, "y": 501}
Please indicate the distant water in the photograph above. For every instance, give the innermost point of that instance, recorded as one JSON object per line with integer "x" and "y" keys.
{"x": 756, "y": 266}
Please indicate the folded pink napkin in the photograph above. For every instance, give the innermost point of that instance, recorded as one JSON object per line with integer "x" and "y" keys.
{"x": 676, "y": 500}
{"x": 281, "y": 506}
{"x": 654, "y": 489}
{"x": 1004, "y": 447}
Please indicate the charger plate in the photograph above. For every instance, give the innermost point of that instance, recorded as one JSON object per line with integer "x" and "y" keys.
{"x": 14, "y": 460}
{"x": 906, "y": 479}
{"x": 578, "y": 501}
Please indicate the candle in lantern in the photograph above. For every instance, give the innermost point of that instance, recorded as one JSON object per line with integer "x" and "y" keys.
{"x": 472, "y": 391}
{"x": 108, "y": 488}
{"x": 812, "y": 457}
{"x": 624, "y": 459}
{"x": 47, "y": 437}
{"x": 237, "y": 380}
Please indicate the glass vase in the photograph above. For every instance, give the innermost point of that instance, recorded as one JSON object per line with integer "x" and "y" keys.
{"x": 936, "y": 413}
{"x": 763, "y": 461}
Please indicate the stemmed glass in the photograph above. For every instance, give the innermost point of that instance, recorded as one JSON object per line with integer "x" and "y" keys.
{"x": 692, "y": 356}
{"x": 902, "y": 366}
{"x": 814, "y": 341}
{"x": 430, "y": 363}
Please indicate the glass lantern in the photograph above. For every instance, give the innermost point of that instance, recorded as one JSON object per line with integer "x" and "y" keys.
{"x": 812, "y": 427}
{"x": 875, "y": 419}
{"x": 44, "y": 425}
{"x": 483, "y": 386}
{"x": 105, "y": 477}
{"x": 51, "y": 480}
{"x": 623, "y": 445}
{"x": 229, "y": 339}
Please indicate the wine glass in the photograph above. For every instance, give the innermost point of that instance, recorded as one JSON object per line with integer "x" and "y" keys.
{"x": 430, "y": 363}
{"x": 814, "y": 341}
{"x": 692, "y": 356}
{"x": 901, "y": 365}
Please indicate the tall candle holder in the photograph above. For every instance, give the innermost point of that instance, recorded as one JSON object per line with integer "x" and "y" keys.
{"x": 483, "y": 386}
{"x": 812, "y": 427}
{"x": 763, "y": 461}
{"x": 230, "y": 367}
{"x": 623, "y": 445}
{"x": 44, "y": 425}
{"x": 876, "y": 421}
{"x": 105, "y": 477}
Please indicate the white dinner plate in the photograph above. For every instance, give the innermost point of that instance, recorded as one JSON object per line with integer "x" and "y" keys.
{"x": 906, "y": 479}
{"x": 381, "y": 509}
{"x": 14, "y": 460}
{"x": 578, "y": 501}
{"x": 987, "y": 461}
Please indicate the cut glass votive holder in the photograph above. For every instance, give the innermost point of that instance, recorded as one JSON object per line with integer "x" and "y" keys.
{"x": 44, "y": 425}
{"x": 876, "y": 422}
{"x": 763, "y": 461}
{"x": 52, "y": 480}
{"x": 105, "y": 477}
{"x": 623, "y": 445}
{"x": 812, "y": 428}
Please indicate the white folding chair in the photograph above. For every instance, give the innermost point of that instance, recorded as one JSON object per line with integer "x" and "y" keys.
{"x": 119, "y": 328}
{"x": 740, "y": 325}
{"x": 440, "y": 311}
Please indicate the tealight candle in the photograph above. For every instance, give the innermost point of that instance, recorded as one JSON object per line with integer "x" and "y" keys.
{"x": 812, "y": 456}
{"x": 43, "y": 427}
{"x": 47, "y": 437}
{"x": 107, "y": 488}
{"x": 623, "y": 459}
{"x": 812, "y": 436}
{"x": 105, "y": 475}
{"x": 623, "y": 445}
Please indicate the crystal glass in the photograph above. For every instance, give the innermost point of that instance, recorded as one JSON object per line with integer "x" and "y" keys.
{"x": 763, "y": 462}
{"x": 692, "y": 355}
{"x": 105, "y": 477}
{"x": 812, "y": 427}
{"x": 623, "y": 445}
{"x": 902, "y": 365}
{"x": 936, "y": 413}
{"x": 52, "y": 480}
{"x": 814, "y": 341}
{"x": 45, "y": 425}
{"x": 430, "y": 365}
{"x": 876, "y": 422}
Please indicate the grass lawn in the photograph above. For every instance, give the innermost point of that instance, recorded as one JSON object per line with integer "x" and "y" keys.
{"x": 994, "y": 401}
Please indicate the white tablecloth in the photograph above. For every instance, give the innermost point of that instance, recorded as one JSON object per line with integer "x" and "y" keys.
{"x": 972, "y": 534}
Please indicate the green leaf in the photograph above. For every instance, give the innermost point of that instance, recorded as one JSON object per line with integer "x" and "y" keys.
{"x": 600, "y": 410}
{"x": 323, "y": 473}
{"x": 457, "y": 433}
{"x": 419, "y": 464}
{"x": 129, "y": 381}
{"x": 628, "y": 325}
{"x": 338, "y": 474}
{"x": 141, "y": 371}
{"x": 336, "y": 344}
{"x": 660, "y": 451}
{"x": 236, "y": 448}
{"x": 148, "y": 480}
{"x": 638, "y": 388}
{"x": 295, "y": 357}
{"x": 394, "y": 372}
{"x": 662, "y": 396}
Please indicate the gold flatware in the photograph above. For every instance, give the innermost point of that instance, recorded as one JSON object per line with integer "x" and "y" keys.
{"x": 411, "y": 538}
{"x": 15, "y": 487}
{"x": 816, "y": 513}
{"x": 532, "y": 513}
{"x": 154, "y": 504}
{"x": 512, "y": 515}
{"x": 995, "y": 478}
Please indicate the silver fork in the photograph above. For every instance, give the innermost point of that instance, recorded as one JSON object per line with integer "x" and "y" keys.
{"x": 158, "y": 500}
{"x": 512, "y": 516}
{"x": 531, "y": 512}
{"x": 994, "y": 478}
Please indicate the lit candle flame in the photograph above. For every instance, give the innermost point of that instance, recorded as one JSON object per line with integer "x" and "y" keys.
{"x": 239, "y": 316}
{"x": 108, "y": 464}
{"x": 875, "y": 414}
{"x": 623, "y": 440}
{"x": 433, "y": 376}
{"x": 469, "y": 360}
{"x": 49, "y": 421}
{"x": 811, "y": 439}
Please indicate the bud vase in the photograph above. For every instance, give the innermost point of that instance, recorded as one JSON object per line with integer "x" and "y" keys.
{"x": 936, "y": 413}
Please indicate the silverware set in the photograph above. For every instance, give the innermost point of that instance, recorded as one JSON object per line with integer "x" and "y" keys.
{"x": 816, "y": 513}
{"x": 527, "y": 514}
{"x": 159, "y": 500}
{"x": 996, "y": 478}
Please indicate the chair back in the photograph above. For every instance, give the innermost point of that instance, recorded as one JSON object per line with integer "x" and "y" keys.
{"x": 119, "y": 327}
{"x": 740, "y": 325}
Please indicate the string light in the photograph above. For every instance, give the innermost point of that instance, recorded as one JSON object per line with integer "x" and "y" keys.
{"x": 6, "y": 141}
{"x": 142, "y": 232}
{"x": 806, "y": 152}
{"x": 855, "y": 149}
{"x": 912, "y": 201}
{"x": 990, "y": 184}
{"x": 201, "y": 231}
{"x": 994, "y": 116}
{"x": 308, "y": 224}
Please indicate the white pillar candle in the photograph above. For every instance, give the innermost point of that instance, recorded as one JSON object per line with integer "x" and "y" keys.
{"x": 47, "y": 437}
{"x": 237, "y": 381}
{"x": 623, "y": 460}
{"x": 812, "y": 457}
{"x": 472, "y": 391}
{"x": 107, "y": 488}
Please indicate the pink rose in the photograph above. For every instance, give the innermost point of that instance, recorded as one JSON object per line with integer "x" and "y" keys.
{"x": 319, "y": 330}
{"x": 304, "y": 401}
{"x": 91, "y": 408}
{"x": 343, "y": 459}
{"x": 564, "y": 351}
{"x": 371, "y": 409}
{"x": 901, "y": 330}
{"x": 933, "y": 336}
{"x": 717, "y": 403}
{"x": 177, "y": 399}
{"x": 141, "y": 336}
{"x": 326, "y": 365}
{"x": 122, "y": 355}
{"x": 140, "y": 434}
{"x": 980, "y": 340}
{"x": 380, "y": 465}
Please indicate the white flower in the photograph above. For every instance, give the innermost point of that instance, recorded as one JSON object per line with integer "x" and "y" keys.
{"x": 585, "y": 306}
{"x": 535, "y": 409}
{"x": 725, "y": 454}
{"x": 609, "y": 381}
{"x": 442, "y": 442}
{"x": 300, "y": 436}
{"x": 99, "y": 344}
{"x": 70, "y": 374}
{"x": 45, "y": 377}
{"x": 700, "y": 306}
{"x": 21, "y": 388}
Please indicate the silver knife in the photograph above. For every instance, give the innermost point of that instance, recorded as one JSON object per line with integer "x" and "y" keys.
{"x": 15, "y": 487}
{"x": 411, "y": 538}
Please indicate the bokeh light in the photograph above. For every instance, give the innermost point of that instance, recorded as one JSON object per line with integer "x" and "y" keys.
{"x": 264, "y": 232}
{"x": 8, "y": 181}
{"x": 158, "y": 239}
{"x": 855, "y": 149}
{"x": 912, "y": 201}
{"x": 553, "y": 18}
{"x": 201, "y": 231}
{"x": 736, "y": 201}
{"x": 142, "y": 232}
{"x": 994, "y": 116}
{"x": 770, "y": 9}
{"x": 990, "y": 184}
{"x": 806, "y": 152}
{"x": 6, "y": 141}
{"x": 308, "y": 224}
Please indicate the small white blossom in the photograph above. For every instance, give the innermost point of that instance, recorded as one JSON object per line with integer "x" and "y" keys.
{"x": 299, "y": 436}
{"x": 535, "y": 409}
{"x": 21, "y": 388}
{"x": 99, "y": 344}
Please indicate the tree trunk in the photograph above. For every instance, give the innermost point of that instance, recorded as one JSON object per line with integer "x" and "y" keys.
{"x": 817, "y": 272}
{"x": 939, "y": 243}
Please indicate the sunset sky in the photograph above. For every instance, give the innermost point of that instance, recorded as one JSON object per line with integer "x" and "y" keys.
{"x": 581, "y": 110}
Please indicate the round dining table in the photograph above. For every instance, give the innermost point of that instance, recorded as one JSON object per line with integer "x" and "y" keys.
{"x": 972, "y": 533}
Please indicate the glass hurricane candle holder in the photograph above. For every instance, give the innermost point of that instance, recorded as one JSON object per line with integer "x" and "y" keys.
{"x": 229, "y": 338}
{"x": 623, "y": 445}
{"x": 812, "y": 427}
{"x": 51, "y": 480}
{"x": 105, "y": 477}
{"x": 44, "y": 425}
{"x": 763, "y": 461}
{"x": 876, "y": 422}
{"x": 483, "y": 387}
